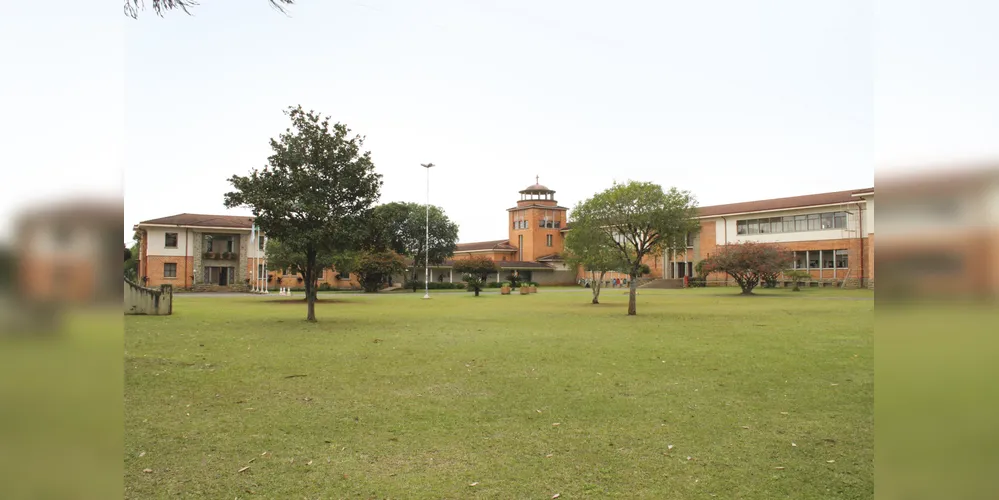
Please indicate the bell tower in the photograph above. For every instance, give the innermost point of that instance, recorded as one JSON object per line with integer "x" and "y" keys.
{"x": 536, "y": 223}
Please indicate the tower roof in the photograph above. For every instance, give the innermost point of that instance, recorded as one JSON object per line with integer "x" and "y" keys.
{"x": 537, "y": 187}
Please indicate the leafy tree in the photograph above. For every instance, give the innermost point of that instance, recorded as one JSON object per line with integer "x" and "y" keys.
{"x": 748, "y": 263}
{"x": 132, "y": 256}
{"x": 373, "y": 267}
{"x": 641, "y": 220}
{"x": 476, "y": 271}
{"x": 314, "y": 195}
{"x": 592, "y": 249}
{"x": 402, "y": 227}
{"x": 132, "y": 7}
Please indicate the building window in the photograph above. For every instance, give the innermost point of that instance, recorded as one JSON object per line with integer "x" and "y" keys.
{"x": 209, "y": 241}
{"x": 813, "y": 259}
{"x": 520, "y": 247}
{"x": 169, "y": 270}
{"x": 813, "y": 222}
{"x": 549, "y": 240}
{"x": 839, "y": 220}
{"x": 754, "y": 227}
{"x": 260, "y": 271}
{"x": 260, "y": 242}
{"x": 800, "y": 260}
{"x": 690, "y": 240}
{"x": 827, "y": 220}
{"x": 322, "y": 274}
{"x": 228, "y": 244}
{"x": 801, "y": 223}
{"x": 171, "y": 240}
{"x": 788, "y": 224}
{"x": 343, "y": 275}
{"x": 842, "y": 259}
{"x": 827, "y": 259}
{"x": 741, "y": 227}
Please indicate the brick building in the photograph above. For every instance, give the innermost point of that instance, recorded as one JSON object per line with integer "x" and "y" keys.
{"x": 213, "y": 252}
{"x": 831, "y": 234}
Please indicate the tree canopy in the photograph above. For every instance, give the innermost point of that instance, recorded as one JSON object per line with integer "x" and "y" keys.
{"x": 640, "y": 220}
{"x": 475, "y": 271}
{"x": 402, "y": 228}
{"x": 315, "y": 194}
{"x": 132, "y": 7}
{"x": 592, "y": 249}
{"x": 748, "y": 263}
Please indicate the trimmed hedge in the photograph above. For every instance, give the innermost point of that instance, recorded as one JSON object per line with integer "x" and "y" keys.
{"x": 433, "y": 285}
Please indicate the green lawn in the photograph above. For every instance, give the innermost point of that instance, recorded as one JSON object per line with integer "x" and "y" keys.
{"x": 391, "y": 396}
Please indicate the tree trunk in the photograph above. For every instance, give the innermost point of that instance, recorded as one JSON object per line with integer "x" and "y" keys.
{"x": 632, "y": 291}
{"x": 309, "y": 295}
{"x": 476, "y": 291}
{"x": 596, "y": 285}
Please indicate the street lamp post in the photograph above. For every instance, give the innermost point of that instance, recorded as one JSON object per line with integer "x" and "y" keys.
{"x": 426, "y": 246}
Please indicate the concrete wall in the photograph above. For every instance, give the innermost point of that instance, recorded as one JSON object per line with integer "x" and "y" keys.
{"x": 141, "y": 300}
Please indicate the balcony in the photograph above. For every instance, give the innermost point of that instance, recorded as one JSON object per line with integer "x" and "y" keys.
{"x": 221, "y": 256}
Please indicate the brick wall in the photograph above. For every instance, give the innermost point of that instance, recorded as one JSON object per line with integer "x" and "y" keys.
{"x": 154, "y": 271}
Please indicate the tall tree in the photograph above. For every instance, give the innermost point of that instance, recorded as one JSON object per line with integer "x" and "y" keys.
{"x": 132, "y": 7}
{"x": 314, "y": 195}
{"x": 402, "y": 228}
{"x": 748, "y": 263}
{"x": 476, "y": 271}
{"x": 132, "y": 258}
{"x": 640, "y": 219}
{"x": 593, "y": 250}
{"x": 373, "y": 267}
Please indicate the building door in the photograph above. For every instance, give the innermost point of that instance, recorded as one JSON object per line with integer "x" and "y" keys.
{"x": 223, "y": 276}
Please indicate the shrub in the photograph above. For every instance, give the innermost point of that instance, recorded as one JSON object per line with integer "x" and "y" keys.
{"x": 697, "y": 282}
{"x": 325, "y": 287}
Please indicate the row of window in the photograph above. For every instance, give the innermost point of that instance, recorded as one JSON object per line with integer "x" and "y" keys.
{"x": 821, "y": 259}
{"x": 792, "y": 224}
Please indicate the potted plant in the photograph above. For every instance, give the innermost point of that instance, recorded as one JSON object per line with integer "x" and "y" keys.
{"x": 226, "y": 255}
{"x": 534, "y": 286}
{"x": 209, "y": 255}
{"x": 505, "y": 288}
{"x": 524, "y": 288}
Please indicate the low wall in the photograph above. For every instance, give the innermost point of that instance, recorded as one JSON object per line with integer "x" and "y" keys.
{"x": 142, "y": 300}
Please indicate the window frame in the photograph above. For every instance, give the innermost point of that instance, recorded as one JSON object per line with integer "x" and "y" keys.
{"x": 166, "y": 240}
{"x": 165, "y": 267}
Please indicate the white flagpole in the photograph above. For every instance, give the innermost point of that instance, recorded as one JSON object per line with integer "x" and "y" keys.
{"x": 253, "y": 261}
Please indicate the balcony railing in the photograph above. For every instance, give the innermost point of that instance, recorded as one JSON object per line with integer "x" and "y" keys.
{"x": 222, "y": 255}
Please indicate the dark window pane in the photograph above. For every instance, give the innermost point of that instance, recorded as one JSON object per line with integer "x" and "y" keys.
{"x": 827, "y": 220}
{"x": 842, "y": 259}
{"x": 800, "y": 259}
{"x": 764, "y": 226}
{"x": 741, "y": 227}
{"x": 827, "y": 259}
{"x": 169, "y": 270}
{"x": 171, "y": 240}
{"x": 813, "y": 259}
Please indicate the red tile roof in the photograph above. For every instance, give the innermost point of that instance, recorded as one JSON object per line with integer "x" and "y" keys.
{"x": 201, "y": 220}
{"x": 497, "y": 245}
{"x": 808, "y": 200}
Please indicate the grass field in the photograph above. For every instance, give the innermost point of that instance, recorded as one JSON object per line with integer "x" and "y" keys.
{"x": 705, "y": 394}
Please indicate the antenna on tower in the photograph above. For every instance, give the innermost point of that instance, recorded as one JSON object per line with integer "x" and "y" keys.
{"x": 537, "y": 179}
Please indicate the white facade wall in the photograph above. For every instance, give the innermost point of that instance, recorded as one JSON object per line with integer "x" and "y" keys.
{"x": 726, "y": 229}
{"x": 156, "y": 242}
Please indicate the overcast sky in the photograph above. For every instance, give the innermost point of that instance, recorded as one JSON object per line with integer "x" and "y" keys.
{"x": 732, "y": 100}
